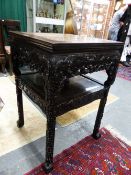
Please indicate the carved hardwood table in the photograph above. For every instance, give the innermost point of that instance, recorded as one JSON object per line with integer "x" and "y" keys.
{"x": 56, "y": 76}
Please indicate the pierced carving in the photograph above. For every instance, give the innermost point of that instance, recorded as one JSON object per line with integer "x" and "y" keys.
{"x": 61, "y": 67}
{"x": 55, "y": 71}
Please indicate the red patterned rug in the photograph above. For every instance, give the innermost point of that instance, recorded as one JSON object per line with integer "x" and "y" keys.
{"x": 124, "y": 72}
{"x": 105, "y": 156}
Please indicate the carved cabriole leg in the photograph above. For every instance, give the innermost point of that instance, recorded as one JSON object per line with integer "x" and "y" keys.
{"x": 50, "y": 135}
{"x": 96, "y": 134}
{"x": 20, "y": 122}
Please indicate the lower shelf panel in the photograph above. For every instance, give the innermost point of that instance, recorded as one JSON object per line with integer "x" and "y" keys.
{"x": 78, "y": 92}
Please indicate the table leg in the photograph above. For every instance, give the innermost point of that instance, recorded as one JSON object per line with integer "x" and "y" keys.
{"x": 3, "y": 66}
{"x": 111, "y": 73}
{"x": 20, "y": 122}
{"x": 50, "y": 135}
{"x": 96, "y": 134}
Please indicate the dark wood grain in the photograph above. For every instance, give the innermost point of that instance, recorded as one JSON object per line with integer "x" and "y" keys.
{"x": 52, "y": 70}
{"x": 72, "y": 43}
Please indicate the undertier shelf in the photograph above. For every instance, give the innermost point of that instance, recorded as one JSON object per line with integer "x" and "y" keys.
{"x": 78, "y": 87}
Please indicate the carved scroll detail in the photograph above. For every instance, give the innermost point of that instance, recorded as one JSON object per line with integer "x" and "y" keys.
{"x": 56, "y": 69}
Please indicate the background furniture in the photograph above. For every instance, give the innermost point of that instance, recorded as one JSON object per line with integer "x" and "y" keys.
{"x": 7, "y": 26}
{"x": 49, "y": 16}
{"x": 93, "y": 16}
{"x": 2, "y": 51}
{"x": 60, "y": 83}
{"x": 15, "y": 10}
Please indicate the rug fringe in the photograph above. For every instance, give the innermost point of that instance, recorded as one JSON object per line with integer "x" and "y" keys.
{"x": 116, "y": 133}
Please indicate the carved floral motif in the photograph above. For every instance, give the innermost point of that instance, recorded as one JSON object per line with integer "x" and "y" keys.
{"x": 55, "y": 71}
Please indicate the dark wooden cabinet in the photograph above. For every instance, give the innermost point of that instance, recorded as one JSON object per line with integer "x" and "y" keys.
{"x": 2, "y": 51}
{"x": 5, "y": 52}
{"x": 52, "y": 70}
